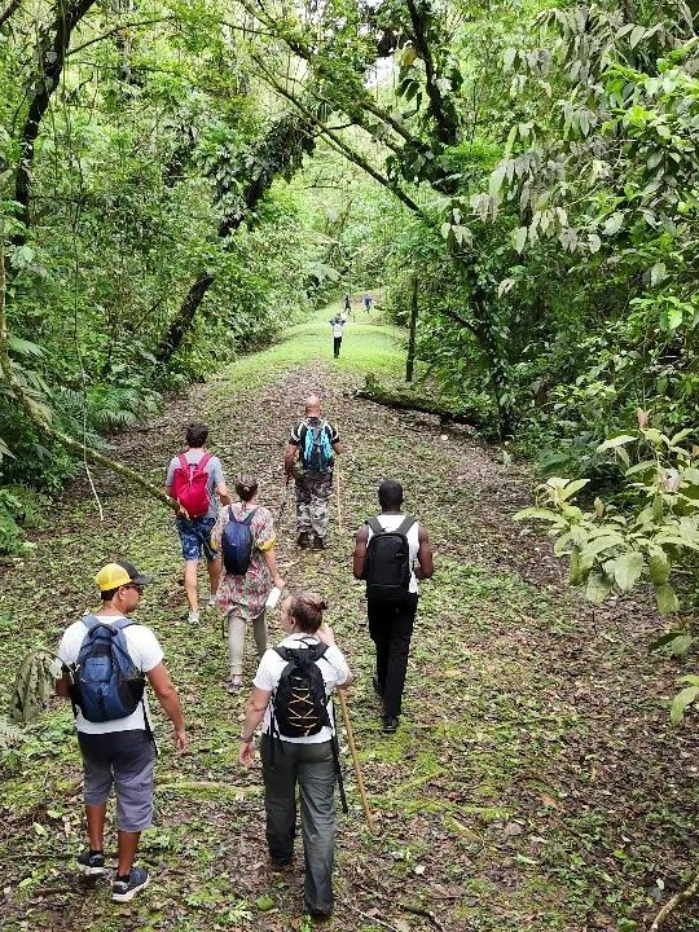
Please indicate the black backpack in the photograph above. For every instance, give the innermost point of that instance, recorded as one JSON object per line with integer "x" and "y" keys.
{"x": 300, "y": 705}
{"x": 388, "y": 569}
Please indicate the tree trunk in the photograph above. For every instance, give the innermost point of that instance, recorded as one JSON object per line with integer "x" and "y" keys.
{"x": 410, "y": 361}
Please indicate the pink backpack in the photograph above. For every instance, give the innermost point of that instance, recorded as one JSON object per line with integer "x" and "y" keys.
{"x": 189, "y": 485}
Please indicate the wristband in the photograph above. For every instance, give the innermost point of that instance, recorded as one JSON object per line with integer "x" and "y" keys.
{"x": 247, "y": 740}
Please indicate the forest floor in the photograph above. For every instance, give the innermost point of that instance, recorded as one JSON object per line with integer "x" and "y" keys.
{"x": 534, "y": 783}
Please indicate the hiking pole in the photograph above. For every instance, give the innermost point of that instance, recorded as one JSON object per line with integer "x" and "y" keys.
{"x": 355, "y": 761}
{"x": 282, "y": 507}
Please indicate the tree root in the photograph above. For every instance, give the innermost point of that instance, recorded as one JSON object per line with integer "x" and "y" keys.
{"x": 673, "y": 903}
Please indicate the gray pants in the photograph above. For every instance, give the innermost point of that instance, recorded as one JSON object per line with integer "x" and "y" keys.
{"x": 237, "y": 626}
{"x": 313, "y": 768}
{"x": 313, "y": 492}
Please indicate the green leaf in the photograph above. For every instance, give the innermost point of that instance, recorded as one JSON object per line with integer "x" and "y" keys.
{"x": 265, "y": 903}
{"x": 615, "y": 442}
{"x": 681, "y": 701}
{"x": 664, "y": 640}
{"x": 598, "y": 587}
{"x": 627, "y": 570}
{"x": 540, "y": 514}
{"x": 520, "y": 238}
{"x": 572, "y": 488}
{"x": 666, "y": 597}
{"x": 680, "y": 645}
{"x": 659, "y": 565}
{"x": 613, "y": 223}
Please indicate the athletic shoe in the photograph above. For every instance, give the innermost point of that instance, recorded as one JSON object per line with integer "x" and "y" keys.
{"x": 211, "y": 602}
{"x": 193, "y": 617}
{"x": 125, "y": 890}
{"x": 390, "y": 725}
{"x": 92, "y": 865}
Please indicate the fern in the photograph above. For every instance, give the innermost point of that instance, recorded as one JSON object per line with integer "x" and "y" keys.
{"x": 34, "y": 685}
{"x": 10, "y": 734}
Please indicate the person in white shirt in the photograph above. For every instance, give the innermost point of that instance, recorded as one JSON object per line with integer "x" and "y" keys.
{"x": 119, "y": 752}
{"x": 391, "y": 619}
{"x": 337, "y": 323}
{"x": 308, "y": 761}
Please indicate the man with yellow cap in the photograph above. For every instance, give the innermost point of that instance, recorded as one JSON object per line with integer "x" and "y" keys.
{"x": 106, "y": 660}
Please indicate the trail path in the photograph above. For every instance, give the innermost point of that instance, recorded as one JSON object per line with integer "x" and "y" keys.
{"x": 534, "y": 783}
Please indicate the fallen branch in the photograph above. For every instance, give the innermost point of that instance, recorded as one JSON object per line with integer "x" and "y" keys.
{"x": 37, "y": 416}
{"x": 419, "y": 911}
{"x": 673, "y": 903}
{"x": 381, "y": 396}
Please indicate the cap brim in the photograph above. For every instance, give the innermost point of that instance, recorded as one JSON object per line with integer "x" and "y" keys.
{"x": 142, "y": 579}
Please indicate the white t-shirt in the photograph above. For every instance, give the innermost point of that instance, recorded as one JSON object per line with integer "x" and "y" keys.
{"x": 337, "y": 329}
{"x": 332, "y": 665}
{"x": 392, "y": 523}
{"x": 145, "y": 652}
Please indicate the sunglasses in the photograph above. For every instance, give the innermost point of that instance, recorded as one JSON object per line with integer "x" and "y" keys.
{"x": 135, "y": 586}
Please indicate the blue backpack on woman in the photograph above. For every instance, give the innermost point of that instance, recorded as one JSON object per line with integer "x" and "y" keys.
{"x": 237, "y": 543}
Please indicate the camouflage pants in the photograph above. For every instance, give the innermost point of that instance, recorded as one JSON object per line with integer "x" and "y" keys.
{"x": 312, "y": 502}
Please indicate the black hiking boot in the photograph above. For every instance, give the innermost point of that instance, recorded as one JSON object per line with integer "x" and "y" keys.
{"x": 318, "y": 543}
{"x": 91, "y": 863}
{"x": 390, "y": 725}
{"x": 303, "y": 540}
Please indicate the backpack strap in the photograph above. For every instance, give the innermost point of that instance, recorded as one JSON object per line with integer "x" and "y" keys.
{"x": 405, "y": 525}
{"x": 246, "y": 520}
{"x": 90, "y": 622}
{"x": 375, "y": 525}
{"x": 184, "y": 462}
{"x": 201, "y": 465}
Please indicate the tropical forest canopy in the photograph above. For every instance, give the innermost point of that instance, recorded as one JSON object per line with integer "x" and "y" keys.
{"x": 179, "y": 181}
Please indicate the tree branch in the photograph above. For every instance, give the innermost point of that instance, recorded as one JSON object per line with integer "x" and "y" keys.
{"x": 117, "y": 29}
{"x": 11, "y": 8}
{"x": 52, "y": 56}
{"x": 442, "y": 113}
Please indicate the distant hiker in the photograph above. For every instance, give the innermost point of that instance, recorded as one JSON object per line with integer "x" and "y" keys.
{"x": 347, "y": 303}
{"x": 368, "y": 300}
{"x": 338, "y": 325}
{"x": 291, "y": 692}
{"x": 309, "y": 458}
{"x": 244, "y": 534}
{"x": 194, "y": 478}
{"x": 385, "y": 552}
{"x": 106, "y": 659}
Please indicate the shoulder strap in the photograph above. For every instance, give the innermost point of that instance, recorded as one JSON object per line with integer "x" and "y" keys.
{"x": 405, "y": 525}
{"x": 90, "y": 622}
{"x": 231, "y": 516}
{"x": 123, "y": 623}
{"x": 283, "y": 652}
{"x": 184, "y": 462}
{"x": 249, "y": 516}
{"x": 201, "y": 465}
{"x": 375, "y": 525}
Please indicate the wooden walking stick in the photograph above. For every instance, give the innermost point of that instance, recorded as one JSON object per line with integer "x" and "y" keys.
{"x": 339, "y": 500}
{"x": 355, "y": 760}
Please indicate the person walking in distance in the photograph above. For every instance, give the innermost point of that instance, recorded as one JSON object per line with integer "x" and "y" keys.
{"x": 347, "y": 303}
{"x": 387, "y": 547}
{"x": 338, "y": 324}
{"x": 291, "y": 692}
{"x": 368, "y": 300}
{"x": 194, "y": 479}
{"x": 244, "y": 534}
{"x": 107, "y": 659}
{"x": 309, "y": 458}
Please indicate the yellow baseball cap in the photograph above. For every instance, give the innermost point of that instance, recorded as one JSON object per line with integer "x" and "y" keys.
{"x": 118, "y": 574}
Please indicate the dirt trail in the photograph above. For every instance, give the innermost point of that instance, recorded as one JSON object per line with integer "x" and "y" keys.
{"x": 534, "y": 783}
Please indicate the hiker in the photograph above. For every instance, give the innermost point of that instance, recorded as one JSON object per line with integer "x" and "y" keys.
{"x": 309, "y": 458}
{"x": 99, "y": 653}
{"x": 337, "y": 324}
{"x": 347, "y": 303}
{"x": 385, "y": 552}
{"x": 194, "y": 478}
{"x": 368, "y": 301}
{"x": 298, "y": 747}
{"x": 244, "y": 534}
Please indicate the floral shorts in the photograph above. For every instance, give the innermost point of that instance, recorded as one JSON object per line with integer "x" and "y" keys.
{"x": 195, "y": 536}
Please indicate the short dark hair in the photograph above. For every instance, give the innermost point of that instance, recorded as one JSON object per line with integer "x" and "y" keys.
{"x": 390, "y": 494}
{"x": 245, "y": 487}
{"x": 197, "y": 435}
{"x": 109, "y": 594}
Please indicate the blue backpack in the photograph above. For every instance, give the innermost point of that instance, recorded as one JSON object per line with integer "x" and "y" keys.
{"x": 107, "y": 684}
{"x": 237, "y": 544}
{"x": 317, "y": 453}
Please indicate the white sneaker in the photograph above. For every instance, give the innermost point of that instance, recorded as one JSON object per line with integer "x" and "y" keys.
{"x": 211, "y": 602}
{"x": 193, "y": 617}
